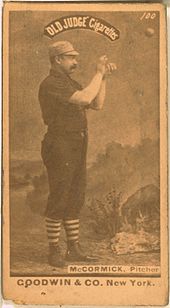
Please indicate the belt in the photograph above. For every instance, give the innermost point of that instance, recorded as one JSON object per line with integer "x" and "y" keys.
{"x": 83, "y": 132}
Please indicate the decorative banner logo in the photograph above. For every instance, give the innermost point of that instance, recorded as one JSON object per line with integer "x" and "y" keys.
{"x": 85, "y": 22}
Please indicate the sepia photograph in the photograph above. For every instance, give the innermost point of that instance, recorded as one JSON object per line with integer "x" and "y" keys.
{"x": 85, "y": 153}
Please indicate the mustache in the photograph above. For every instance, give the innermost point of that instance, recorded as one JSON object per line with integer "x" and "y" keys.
{"x": 74, "y": 66}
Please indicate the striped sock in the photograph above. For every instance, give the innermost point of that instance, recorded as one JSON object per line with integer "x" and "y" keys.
{"x": 53, "y": 228}
{"x": 72, "y": 229}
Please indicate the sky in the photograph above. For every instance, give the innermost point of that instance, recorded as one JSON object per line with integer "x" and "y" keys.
{"x": 131, "y": 110}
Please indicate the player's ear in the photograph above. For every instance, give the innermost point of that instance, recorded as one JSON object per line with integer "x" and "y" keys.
{"x": 57, "y": 59}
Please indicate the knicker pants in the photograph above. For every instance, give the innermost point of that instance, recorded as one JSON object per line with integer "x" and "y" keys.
{"x": 65, "y": 159}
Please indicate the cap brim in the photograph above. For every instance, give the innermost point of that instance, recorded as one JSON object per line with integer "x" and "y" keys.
{"x": 71, "y": 53}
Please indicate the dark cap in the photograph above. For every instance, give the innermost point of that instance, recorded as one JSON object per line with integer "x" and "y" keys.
{"x": 62, "y": 47}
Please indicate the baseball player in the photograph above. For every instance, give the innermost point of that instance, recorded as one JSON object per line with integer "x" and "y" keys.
{"x": 63, "y": 104}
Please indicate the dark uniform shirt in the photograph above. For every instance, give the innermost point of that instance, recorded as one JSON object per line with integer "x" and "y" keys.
{"x": 58, "y": 113}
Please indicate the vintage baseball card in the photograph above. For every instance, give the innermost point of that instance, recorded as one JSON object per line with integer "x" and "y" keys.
{"x": 85, "y": 219}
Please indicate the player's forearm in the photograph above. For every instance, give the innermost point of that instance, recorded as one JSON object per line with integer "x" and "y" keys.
{"x": 88, "y": 94}
{"x": 99, "y": 100}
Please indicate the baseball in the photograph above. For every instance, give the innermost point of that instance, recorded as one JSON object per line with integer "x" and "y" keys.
{"x": 149, "y": 32}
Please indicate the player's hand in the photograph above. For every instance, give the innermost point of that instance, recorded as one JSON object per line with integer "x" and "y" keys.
{"x": 110, "y": 68}
{"x": 101, "y": 64}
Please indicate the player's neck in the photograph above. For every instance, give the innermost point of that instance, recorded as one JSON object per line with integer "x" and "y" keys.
{"x": 58, "y": 68}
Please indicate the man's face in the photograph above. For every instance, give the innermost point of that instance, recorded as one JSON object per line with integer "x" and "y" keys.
{"x": 68, "y": 63}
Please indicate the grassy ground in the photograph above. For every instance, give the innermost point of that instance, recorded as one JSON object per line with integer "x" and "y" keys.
{"x": 29, "y": 247}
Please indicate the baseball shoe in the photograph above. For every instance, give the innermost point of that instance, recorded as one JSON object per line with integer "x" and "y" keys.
{"x": 55, "y": 258}
{"x": 74, "y": 253}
